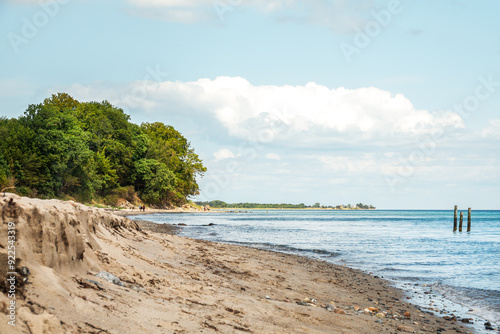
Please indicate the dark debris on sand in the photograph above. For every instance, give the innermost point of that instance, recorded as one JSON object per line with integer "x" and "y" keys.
{"x": 146, "y": 225}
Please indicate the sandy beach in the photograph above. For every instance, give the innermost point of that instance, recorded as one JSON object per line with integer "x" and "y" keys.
{"x": 134, "y": 212}
{"x": 171, "y": 284}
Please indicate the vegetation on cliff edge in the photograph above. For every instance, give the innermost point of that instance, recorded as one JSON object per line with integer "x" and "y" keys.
{"x": 90, "y": 151}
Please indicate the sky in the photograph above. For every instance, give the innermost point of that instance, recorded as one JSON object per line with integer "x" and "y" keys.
{"x": 391, "y": 103}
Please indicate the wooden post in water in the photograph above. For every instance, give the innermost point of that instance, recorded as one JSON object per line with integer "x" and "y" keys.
{"x": 455, "y": 219}
{"x": 469, "y": 218}
{"x": 461, "y": 221}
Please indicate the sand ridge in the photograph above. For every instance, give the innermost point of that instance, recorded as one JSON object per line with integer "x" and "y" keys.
{"x": 173, "y": 284}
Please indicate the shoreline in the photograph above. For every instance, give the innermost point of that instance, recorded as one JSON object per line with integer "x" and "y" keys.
{"x": 421, "y": 296}
{"x": 137, "y": 212}
{"x": 364, "y": 295}
{"x": 173, "y": 284}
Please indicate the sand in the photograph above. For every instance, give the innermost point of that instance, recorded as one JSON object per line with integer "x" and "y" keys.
{"x": 173, "y": 284}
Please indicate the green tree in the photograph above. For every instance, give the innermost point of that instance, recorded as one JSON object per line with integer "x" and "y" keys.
{"x": 106, "y": 177}
{"x": 112, "y": 134}
{"x": 155, "y": 182}
{"x": 58, "y": 148}
{"x": 168, "y": 146}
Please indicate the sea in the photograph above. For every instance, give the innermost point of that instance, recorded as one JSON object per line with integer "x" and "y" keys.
{"x": 442, "y": 271}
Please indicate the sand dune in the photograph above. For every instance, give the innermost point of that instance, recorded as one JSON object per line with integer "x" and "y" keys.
{"x": 171, "y": 284}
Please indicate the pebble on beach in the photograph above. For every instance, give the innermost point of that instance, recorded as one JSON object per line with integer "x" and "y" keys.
{"x": 406, "y": 329}
{"x": 339, "y": 311}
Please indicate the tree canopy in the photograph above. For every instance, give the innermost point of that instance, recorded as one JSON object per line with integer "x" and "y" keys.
{"x": 91, "y": 151}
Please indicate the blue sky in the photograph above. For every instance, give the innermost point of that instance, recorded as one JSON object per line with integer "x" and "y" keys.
{"x": 391, "y": 103}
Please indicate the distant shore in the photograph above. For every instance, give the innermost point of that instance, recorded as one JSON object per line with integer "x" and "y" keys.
{"x": 315, "y": 209}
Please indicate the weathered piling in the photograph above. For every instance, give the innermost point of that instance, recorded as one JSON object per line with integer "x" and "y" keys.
{"x": 455, "y": 219}
{"x": 461, "y": 221}
{"x": 469, "y": 219}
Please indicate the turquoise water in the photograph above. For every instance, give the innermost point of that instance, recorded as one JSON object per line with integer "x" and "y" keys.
{"x": 415, "y": 250}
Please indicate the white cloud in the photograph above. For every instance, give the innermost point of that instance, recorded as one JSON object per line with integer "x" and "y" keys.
{"x": 38, "y": 2}
{"x": 224, "y": 154}
{"x": 304, "y": 116}
{"x": 26, "y": 2}
{"x": 273, "y": 156}
{"x": 309, "y": 126}
{"x": 342, "y": 16}
{"x": 492, "y": 130}
{"x": 171, "y": 3}
{"x": 356, "y": 164}
{"x": 183, "y": 11}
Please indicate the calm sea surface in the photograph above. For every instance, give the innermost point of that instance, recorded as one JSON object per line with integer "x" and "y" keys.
{"x": 416, "y": 250}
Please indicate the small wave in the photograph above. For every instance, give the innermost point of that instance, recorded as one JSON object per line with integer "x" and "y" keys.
{"x": 286, "y": 248}
{"x": 483, "y": 303}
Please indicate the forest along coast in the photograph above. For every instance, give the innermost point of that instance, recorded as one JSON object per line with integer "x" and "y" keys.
{"x": 92, "y": 153}
{"x": 85, "y": 270}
